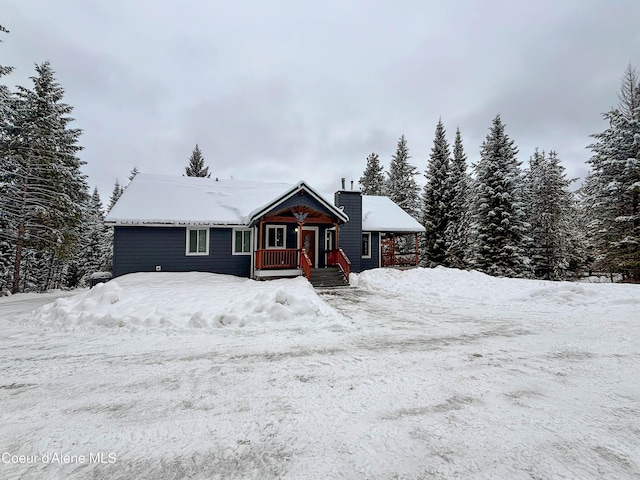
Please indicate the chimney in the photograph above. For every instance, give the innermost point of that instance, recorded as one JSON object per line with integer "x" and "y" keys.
{"x": 351, "y": 184}
{"x": 342, "y": 180}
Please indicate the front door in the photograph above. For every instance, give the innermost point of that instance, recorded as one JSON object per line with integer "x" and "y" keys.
{"x": 309, "y": 243}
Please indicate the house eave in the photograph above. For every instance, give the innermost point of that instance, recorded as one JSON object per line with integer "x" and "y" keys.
{"x": 155, "y": 223}
{"x": 256, "y": 214}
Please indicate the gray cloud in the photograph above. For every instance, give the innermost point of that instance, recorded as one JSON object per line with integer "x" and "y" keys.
{"x": 283, "y": 90}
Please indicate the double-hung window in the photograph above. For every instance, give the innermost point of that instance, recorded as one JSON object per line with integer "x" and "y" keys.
{"x": 241, "y": 242}
{"x": 276, "y": 236}
{"x": 197, "y": 241}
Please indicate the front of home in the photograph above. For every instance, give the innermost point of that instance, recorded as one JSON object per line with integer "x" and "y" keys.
{"x": 254, "y": 229}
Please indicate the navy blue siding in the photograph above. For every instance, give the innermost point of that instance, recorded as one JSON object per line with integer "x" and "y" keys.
{"x": 350, "y": 234}
{"x": 140, "y": 249}
{"x": 374, "y": 261}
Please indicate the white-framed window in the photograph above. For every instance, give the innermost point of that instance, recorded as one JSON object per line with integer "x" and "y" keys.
{"x": 276, "y": 236}
{"x": 241, "y": 241}
{"x": 366, "y": 244}
{"x": 197, "y": 241}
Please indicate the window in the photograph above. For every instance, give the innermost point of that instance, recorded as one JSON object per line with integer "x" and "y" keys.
{"x": 241, "y": 242}
{"x": 366, "y": 245}
{"x": 197, "y": 241}
{"x": 276, "y": 236}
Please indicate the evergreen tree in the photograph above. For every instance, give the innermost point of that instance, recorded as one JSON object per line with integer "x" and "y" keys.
{"x": 372, "y": 180}
{"x": 551, "y": 214}
{"x": 132, "y": 174}
{"x": 94, "y": 256}
{"x": 401, "y": 184}
{"x": 436, "y": 200}
{"x": 498, "y": 215}
{"x": 45, "y": 188}
{"x": 196, "y": 166}
{"x": 612, "y": 187}
{"x": 458, "y": 185}
{"x": 5, "y": 167}
{"x": 116, "y": 193}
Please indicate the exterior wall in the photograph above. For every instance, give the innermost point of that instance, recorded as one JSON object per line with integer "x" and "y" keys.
{"x": 140, "y": 249}
{"x": 374, "y": 261}
{"x": 350, "y": 234}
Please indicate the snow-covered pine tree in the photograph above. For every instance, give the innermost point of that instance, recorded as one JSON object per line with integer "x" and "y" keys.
{"x": 551, "y": 213}
{"x": 612, "y": 187}
{"x": 132, "y": 174}
{"x": 196, "y": 166}
{"x": 436, "y": 200}
{"x": 5, "y": 167}
{"x": 401, "y": 184}
{"x": 94, "y": 256}
{"x": 498, "y": 215}
{"x": 458, "y": 185}
{"x": 116, "y": 193}
{"x": 46, "y": 187}
{"x": 372, "y": 179}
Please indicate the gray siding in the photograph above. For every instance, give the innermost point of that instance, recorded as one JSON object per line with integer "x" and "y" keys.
{"x": 374, "y": 261}
{"x": 140, "y": 249}
{"x": 350, "y": 234}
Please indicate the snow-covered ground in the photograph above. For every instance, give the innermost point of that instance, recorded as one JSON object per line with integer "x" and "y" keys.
{"x": 416, "y": 374}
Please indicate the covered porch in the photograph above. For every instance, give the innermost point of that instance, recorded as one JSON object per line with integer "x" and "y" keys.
{"x": 399, "y": 250}
{"x": 296, "y": 240}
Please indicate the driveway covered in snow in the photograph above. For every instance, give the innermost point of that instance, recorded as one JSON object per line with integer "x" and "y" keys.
{"x": 417, "y": 374}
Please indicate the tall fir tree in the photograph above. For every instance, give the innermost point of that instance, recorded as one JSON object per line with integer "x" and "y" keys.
{"x": 196, "y": 166}
{"x": 5, "y": 167}
{"x": 401, "y": 183}
{"x": 551, "y": 213}
{"x": 46, "y": 187}
{"x": 116, "y": 193}
{"x": 132, "y": 174}
{"x": 372, "y": 179}
{"x": 498, "y": 216}
{"x": 612, "y": 186}
{"x": 458, "y": 185}
{"x": 436, "y": 200}
{"x": 95, "y": 253}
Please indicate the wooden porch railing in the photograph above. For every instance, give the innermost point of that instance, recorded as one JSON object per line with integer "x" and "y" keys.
{"x": 305, "y": 263}
{"x": 280, "y": 258}
{"x": 339, "y": 258}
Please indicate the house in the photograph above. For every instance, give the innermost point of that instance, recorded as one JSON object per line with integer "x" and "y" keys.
{"x": 255, "y": 229}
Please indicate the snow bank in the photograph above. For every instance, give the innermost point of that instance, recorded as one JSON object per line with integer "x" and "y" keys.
{"x": 451, "y": 286}
{"x": 189, "y": 300}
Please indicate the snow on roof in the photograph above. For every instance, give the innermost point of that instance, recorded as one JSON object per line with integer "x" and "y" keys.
{"x": 165, "y": 199}
{"x": 381, "y": 214}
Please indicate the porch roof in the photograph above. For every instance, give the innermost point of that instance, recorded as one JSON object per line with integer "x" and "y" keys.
{"x": 173, "y": 200}
{"x": 381, "y": 214}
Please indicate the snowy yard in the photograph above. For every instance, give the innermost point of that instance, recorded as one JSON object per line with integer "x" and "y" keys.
{"x": 409, "y": 375}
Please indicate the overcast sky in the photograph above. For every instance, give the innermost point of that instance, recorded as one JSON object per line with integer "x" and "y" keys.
{"x": 288, "y": 90}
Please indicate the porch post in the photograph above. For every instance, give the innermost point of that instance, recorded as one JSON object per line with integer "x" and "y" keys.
{"x": 417, "y": 251}
{"x": 259, "y": 252}
{"x": 300, "y": 235}
{"x": 337, "y": 245}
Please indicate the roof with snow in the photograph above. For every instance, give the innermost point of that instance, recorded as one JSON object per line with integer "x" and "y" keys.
{"x": 173, "y": 200}
{"x": 381, "y": 214}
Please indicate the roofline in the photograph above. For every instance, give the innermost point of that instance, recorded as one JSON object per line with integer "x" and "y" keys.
{"x": 291, "y": 192}
{"x": 147, "y": 223}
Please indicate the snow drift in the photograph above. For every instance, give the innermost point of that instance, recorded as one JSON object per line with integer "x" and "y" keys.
{"x": 189, "y": 300}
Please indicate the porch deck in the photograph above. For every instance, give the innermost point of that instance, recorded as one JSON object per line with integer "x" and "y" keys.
{"x": 292, "y": 262}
